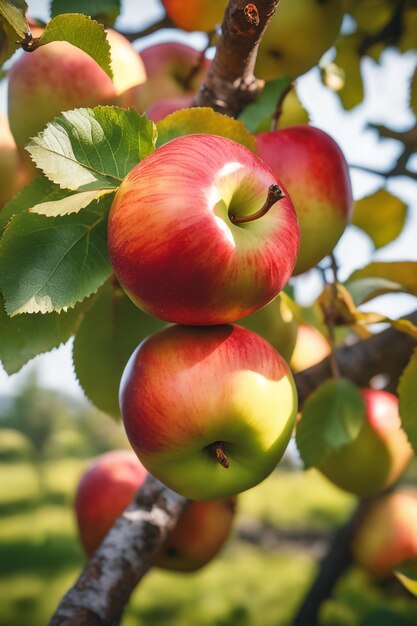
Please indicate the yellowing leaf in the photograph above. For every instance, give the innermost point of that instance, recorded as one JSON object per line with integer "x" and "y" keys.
{"x": 382, "y": 277}
{"x": 407, "y": 393}
{"x": 203, "y": 120}
{"x": 381, "y": 216}
{"x": 70, "y": 204}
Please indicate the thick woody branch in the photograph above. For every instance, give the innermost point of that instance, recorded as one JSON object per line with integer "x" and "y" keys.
{"x": 126, "y": 554}
{"x": 231, "y": 83}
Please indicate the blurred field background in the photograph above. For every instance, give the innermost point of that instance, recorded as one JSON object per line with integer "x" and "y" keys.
{"x": 46, "y": 441}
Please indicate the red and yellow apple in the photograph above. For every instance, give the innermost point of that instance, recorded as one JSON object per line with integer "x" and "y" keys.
{"x": 208, "y": 410}
{"x": 311, "y": 347}
{"x": 314, "y": 171}
{"x": 175, "y": 237}
{"x": 107, "y": 488}
{"x": 387, "y": 534}
{"x": 170, "y": 74}
{"x": 201, "y": 15}
{"x": 162, "y": 108}
{"x": 379, "y": 454}
{"x": 59, "y": 76}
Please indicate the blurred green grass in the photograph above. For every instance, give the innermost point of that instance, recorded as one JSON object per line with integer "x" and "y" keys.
{"x": 246, "y": 585}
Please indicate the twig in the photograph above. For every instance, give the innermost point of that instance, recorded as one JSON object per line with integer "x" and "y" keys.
{"x": 278, "y": 109}
{"x": 164, "y": 22}
{"x": 231, "y": 84}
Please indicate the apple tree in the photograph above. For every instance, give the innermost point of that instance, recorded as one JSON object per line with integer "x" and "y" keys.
{"x": 137, "y": 195}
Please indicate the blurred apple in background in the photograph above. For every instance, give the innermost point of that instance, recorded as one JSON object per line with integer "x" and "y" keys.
{"x": 387, "y": 534}
{"x": 175, "y": 242}
{"x": 314, "y": 171}
{"x": 297, "y": 37}
{"x": 9, "y": 162}
{"x": 59, "y": 76}
{"x": 276, "y": 323}
{"x": 109, "y": 485}
{"x": 208, "y": 410}
{"x": 311, "y": 347}
{"x": 161, "y": 109}
{"x": 171, "y": 73}
{"x": 379, "y": 454}
{"x": 201, "y": 15}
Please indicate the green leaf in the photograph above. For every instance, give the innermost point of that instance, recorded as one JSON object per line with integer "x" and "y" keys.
{"x": 84, "y": 33}
{"x": 406, "y": 573}
{"x": 93, "y": 149}
{"x": 407, "y": 393}
{"x": 104, "y": 11}
{"x": 24, "y": 336}
{"x": 38, "y": 190}
{"x": 382, "y": 277}
{"x": 332, "y": 417}
{"x": 257, "y": 116}
{"x": 51, "y": 263}
{"x": 14, "y": 13}
{"x": 109, "y": 333}
{"x": 381, "y": 216}
{"x": 70, "y": 204}
{"x": 203, "y": 120}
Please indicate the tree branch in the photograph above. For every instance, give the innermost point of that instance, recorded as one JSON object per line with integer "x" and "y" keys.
{"x": 104, "y": 587}
{"x": 126, "y": 554}
{"x": 164, "y": 22}
{"x": 231, "y": 84}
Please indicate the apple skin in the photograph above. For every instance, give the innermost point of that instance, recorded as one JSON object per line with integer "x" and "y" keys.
{"x": 276, "y": 323}
{"x": 311, "y": 347}
{"x": 315, "y": 173}
{"x": 168, "y": 66}
{"x": 103, "y": 493}
{"x": 379, "y": 454}
{"x": 173, "y": 246}
{"x": 9, "y": 162}
{"x": 107, "y": 488}
{"x": 162, "y": 108}
{"x": 387, "y": 534}
{"x": 59, "y": 76}
{"x": 297, "y": 37}
{"x": 201, "y": 15}
{"x": 186, "y": 389}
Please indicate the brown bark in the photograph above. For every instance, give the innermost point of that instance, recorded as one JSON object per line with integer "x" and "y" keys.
{"x": 231, "y": 83}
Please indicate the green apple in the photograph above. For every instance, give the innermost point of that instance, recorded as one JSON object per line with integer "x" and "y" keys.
{"x": 208, "y": 410}
{"x": 276, "y": 323}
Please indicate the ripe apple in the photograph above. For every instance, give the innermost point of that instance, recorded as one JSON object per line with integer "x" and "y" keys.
{"x": 176, "y": 241}
{"x": 109, "y": 485}
{"x": 379, "y": 454}
{"x": 311, "y": 347}
{"x": 276, "y": 323}
{"x": 201, "y": 15}
{"x": 169, "y": 68}
{"x": 314, "y": 171}
{"x": 387, "y": 535}
{"x": 297, "y": 37}
{"x": 9, "y": 162}
{"x": 208, "y": 410}
{"x": 59, "y": 76}
{"x": 162, "y": 108}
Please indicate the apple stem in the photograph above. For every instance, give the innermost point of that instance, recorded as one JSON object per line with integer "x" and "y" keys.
{"x": 275, "y": 193}
{"x": 217, "y": 448}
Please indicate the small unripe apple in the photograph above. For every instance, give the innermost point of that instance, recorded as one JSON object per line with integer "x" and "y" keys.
{"x": 59, "y": 76}
{"x": 315, "y": 173}
{"x": 208, "y": 410}
{"x": 387, "y": 534}
{"x": 276, "y": 323}
{"x": 311, "y": 347}
{"x": 109, "y": 485}
{"x": 379, "y": 454}
{"x": 173, "y": 71}
{"x": 182, "y": 236}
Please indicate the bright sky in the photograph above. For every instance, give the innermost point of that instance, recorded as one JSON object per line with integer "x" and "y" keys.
{"x": 385, "y": 103}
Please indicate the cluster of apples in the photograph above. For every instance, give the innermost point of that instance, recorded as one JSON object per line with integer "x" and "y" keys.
{"x": 107, "y": 488}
